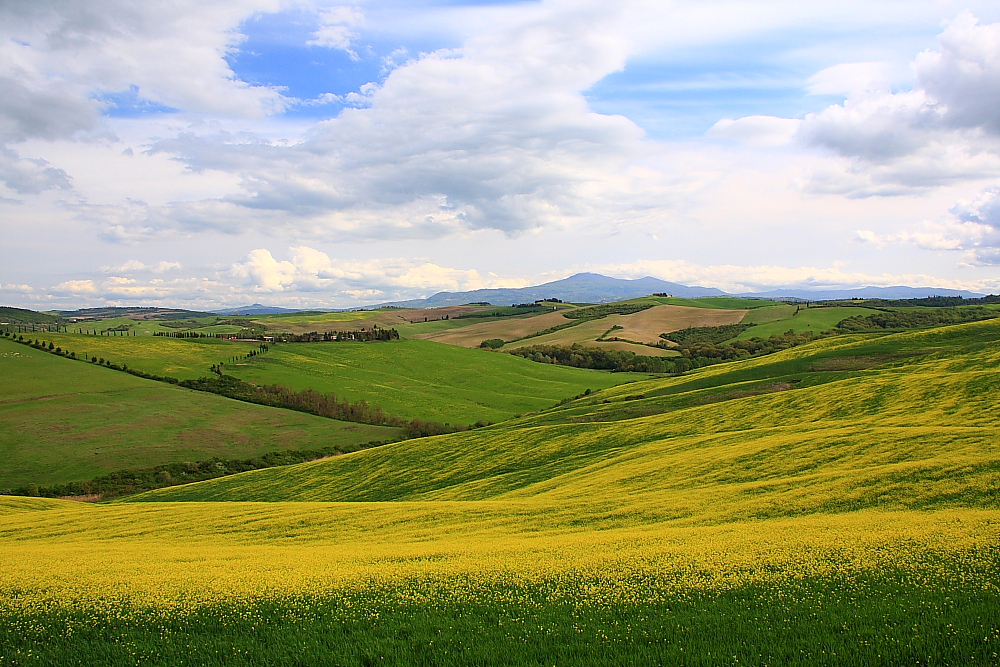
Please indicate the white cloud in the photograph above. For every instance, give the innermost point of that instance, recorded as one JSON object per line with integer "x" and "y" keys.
{"x": 311, "y": 270}
{"x": 336, "y": 29}
{"x": 265, "y": 273}
{"x": 135, "y": 266}
{"x": 757, "y": 131}
{"x": 852, "y": 79}
{"x": 75, "y": 288}
{"x": 946, "y": 129}
{"x": 974, "y": 228}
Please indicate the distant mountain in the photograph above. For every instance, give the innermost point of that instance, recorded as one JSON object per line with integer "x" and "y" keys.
{"x": 579, "y": 288}
{"x": 898, "y": 292}
{"x": 256, "y": 309}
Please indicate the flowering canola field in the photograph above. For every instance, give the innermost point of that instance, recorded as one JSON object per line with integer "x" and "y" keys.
{"x": 836, "y": 503}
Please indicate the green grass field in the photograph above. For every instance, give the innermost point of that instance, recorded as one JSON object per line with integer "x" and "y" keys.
{"x": 63, "y": 420}
{"x": 184, "y": 359}
{"x": 418, "y": 379}
{"x": 723, "y": 302}
{"x": 409, "y": 378}
{"x": 815, "y": 320}
{"x": 766, "y": 314}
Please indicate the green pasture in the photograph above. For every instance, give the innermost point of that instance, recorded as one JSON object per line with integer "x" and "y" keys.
{"x": 721, "y": 302}
{"x": 419, "y": 379}
{"x": 205, "y": 325}
{"x": 63, "y": 420}
{"x": 816, "y": 320}
{"x": 275, "y": 321}
{"x": 181, "y": 358}
{"x": 781, "y": 311}
{"x": 433, "y": 326}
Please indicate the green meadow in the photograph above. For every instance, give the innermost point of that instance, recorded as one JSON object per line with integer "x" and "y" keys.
{"x": 418, "y": 379}
{"x": 63, "y": 420}
{"x": 181, "y": 358}
{"x": 816, "y": 320}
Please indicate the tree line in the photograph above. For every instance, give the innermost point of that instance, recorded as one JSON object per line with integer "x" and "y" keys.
{"x": 915, "y": 318}
{"x": 362, "y": 335}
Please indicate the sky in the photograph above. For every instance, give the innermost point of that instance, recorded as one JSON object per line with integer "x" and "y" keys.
{"x": 213, "y": 153}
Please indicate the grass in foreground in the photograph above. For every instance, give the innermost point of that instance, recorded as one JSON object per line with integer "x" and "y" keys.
{"x": 490, "y": 583}
{"x": 884, "y": 620}
{"x": 63, "y": 420}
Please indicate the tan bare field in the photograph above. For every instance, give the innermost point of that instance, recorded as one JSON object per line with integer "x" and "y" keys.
{"x": 586, "y": 334}
{"x": 507, "y": 329}
{"x": 642, "y": 327}
{"x": 647, "y": 325}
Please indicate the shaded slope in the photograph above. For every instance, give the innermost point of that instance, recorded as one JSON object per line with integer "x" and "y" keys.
{"x": 63, "y": 420}
{"x": 906, "y": 422}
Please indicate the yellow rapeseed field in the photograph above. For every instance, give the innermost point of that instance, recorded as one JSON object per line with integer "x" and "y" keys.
{"x": 881, "y": 454}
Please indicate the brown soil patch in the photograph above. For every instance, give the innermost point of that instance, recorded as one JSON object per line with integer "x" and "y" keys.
{"x": 89, "y": 498}
{"x": 642, "y": 327}
{"x": 507, "y": 329}
{"x": 646, "y": 326}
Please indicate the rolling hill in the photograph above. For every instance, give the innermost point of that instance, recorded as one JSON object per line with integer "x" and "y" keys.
{"x": 824, "y": 427}
{"x": 63, "y": 421}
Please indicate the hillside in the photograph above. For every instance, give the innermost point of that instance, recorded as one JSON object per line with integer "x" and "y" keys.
{"x": 824, "y": 427}
{"x": 63, "y": 420}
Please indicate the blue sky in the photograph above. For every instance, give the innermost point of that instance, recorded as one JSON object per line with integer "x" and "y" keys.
{"x": 321, "y": 154}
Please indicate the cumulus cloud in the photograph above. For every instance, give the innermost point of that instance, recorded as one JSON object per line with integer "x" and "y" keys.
{"x": 30, "y": 176}
{"x": 494, "y": 135}
{"x": 311, "y": 270}
{"x": 61, "y": 64}
{"x": 75, "y": 288}
{"x": 945, "y": 130}
{"x": 974, "y": 228}
{"x": 336, "y": 30}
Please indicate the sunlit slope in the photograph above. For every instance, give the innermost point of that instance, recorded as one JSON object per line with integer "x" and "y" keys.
{"x": 184, "y": 359}
{"x": 63, "y": 420}
{"x": 898, "y": 421}
{"x": 419, "y": 379}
